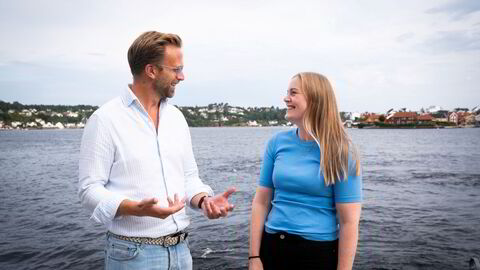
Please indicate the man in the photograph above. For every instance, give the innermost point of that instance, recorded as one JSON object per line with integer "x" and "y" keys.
{"x": 137, "y": 168}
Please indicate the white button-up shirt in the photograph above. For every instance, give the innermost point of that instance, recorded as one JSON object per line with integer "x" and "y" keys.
{"x": 123, "y": 157}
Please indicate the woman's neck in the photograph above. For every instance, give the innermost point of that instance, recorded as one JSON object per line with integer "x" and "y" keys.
{"x": 303, "y": 134}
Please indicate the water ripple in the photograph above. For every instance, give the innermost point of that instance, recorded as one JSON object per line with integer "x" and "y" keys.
{"x": 422, "y": 195}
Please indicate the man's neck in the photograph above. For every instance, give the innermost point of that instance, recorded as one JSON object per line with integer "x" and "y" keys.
{"x": 145, "y": 95}
{"x": 149, "y": 100}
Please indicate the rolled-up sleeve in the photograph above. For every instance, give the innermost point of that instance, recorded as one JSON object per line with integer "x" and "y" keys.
{"x": 97, "y": 154}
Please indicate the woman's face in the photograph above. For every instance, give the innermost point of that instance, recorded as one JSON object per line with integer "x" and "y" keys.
{"x": 296, "y": 102}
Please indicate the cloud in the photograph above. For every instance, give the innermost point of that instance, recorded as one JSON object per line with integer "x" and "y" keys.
{"x": 405, "y": 37}
{"x": 457, "y": 9}
{"x": 452, "y": 42}
{"x": 96, "y": 54}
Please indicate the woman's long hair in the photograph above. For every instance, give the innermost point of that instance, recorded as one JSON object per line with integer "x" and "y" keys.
{"x": 322, "y": 121}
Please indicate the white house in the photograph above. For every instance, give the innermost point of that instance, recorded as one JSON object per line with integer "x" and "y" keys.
{"x": 273, "y": 123}
{"x": 72, "y": 114}
{"x": 252, "y": 124}
{"x": 25, "y": 112}
{"x": 355, "y": 115}
{"x": 453, "y": 117}
{"x": 40, "y": 121}
{"x": 235, "y": 110}
{"x": 16, "y": 124}
{"x": 48, "y": 125}
{"x": 59, "y": 125}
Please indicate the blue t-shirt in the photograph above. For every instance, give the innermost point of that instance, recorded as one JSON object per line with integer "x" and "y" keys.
{"x": 302, "y": 204}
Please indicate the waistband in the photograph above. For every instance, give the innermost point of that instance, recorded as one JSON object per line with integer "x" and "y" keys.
{"x": 289, "y": 238}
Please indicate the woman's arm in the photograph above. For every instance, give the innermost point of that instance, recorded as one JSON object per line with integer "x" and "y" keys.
{"x": 348, "y": 217}
{"x": 260, "y": 208}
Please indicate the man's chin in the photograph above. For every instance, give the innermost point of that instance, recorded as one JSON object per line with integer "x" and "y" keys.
{"x": 171, "y": 93}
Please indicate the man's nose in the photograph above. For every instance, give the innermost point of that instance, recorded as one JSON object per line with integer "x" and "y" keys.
{"x": 180, "y": 76}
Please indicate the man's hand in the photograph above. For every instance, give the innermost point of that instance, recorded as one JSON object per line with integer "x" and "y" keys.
{"x": 149, "y": 207}
{"x": 218, "y": 206}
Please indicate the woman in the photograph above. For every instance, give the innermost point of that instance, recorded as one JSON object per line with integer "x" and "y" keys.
{"x": 306, "y": 210}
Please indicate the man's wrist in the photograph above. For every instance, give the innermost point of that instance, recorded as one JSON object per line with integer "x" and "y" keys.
{"x": 125, "y": 208}
{"x": 200, "y": 202}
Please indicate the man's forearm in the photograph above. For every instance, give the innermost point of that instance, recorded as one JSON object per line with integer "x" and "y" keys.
{"x": 347, "y": 245}
{"x": 126, "y": 208}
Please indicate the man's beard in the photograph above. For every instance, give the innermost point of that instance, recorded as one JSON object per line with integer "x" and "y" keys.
{"x": 162, "y": 89}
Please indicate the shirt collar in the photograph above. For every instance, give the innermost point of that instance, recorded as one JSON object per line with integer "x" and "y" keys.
{"x": 128, "y": 97}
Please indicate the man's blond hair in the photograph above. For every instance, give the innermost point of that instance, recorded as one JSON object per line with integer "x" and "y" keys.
{"x": 149, "y": 48}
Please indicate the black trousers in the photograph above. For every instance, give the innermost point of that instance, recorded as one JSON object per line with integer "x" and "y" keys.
{"x": 287, "y": 251}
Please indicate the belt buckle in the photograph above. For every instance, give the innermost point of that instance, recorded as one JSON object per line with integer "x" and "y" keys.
{"x": 170, "y": 241}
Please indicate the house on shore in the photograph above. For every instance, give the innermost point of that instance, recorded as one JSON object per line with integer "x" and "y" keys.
{"x": 425, "y": 119}
{"x": 374, "y": 118}
{"x": 460, "y": 117}
{"x": 401, "y": 118}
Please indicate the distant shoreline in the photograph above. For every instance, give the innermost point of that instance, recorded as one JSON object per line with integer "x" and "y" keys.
{"x": 367, "y": 128}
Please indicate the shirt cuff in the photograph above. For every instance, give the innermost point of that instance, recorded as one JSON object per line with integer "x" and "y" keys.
{"x": 106, "y": 210}
{"x": 205, "y": 189}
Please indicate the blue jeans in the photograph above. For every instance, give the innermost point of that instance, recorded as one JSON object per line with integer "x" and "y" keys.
{"x": 120, "y": 254}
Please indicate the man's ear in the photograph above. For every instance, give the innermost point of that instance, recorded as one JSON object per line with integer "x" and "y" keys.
{"x": 150, "y": 71}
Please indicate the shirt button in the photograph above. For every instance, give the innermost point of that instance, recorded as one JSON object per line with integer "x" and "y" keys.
{"x": 282, "y": 236}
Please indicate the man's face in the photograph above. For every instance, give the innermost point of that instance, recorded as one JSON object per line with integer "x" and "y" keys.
{"x": 170, "y": 72}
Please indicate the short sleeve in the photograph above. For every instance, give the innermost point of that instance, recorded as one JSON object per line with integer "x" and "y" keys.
{"x": 351, "y": 189}
{"x": 266, "y": 171}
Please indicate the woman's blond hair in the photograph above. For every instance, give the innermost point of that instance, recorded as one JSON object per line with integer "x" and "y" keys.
{"x": 322, "y": 121}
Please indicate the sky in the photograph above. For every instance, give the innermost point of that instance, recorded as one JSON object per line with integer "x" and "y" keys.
{"x": 377, "y": 54}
